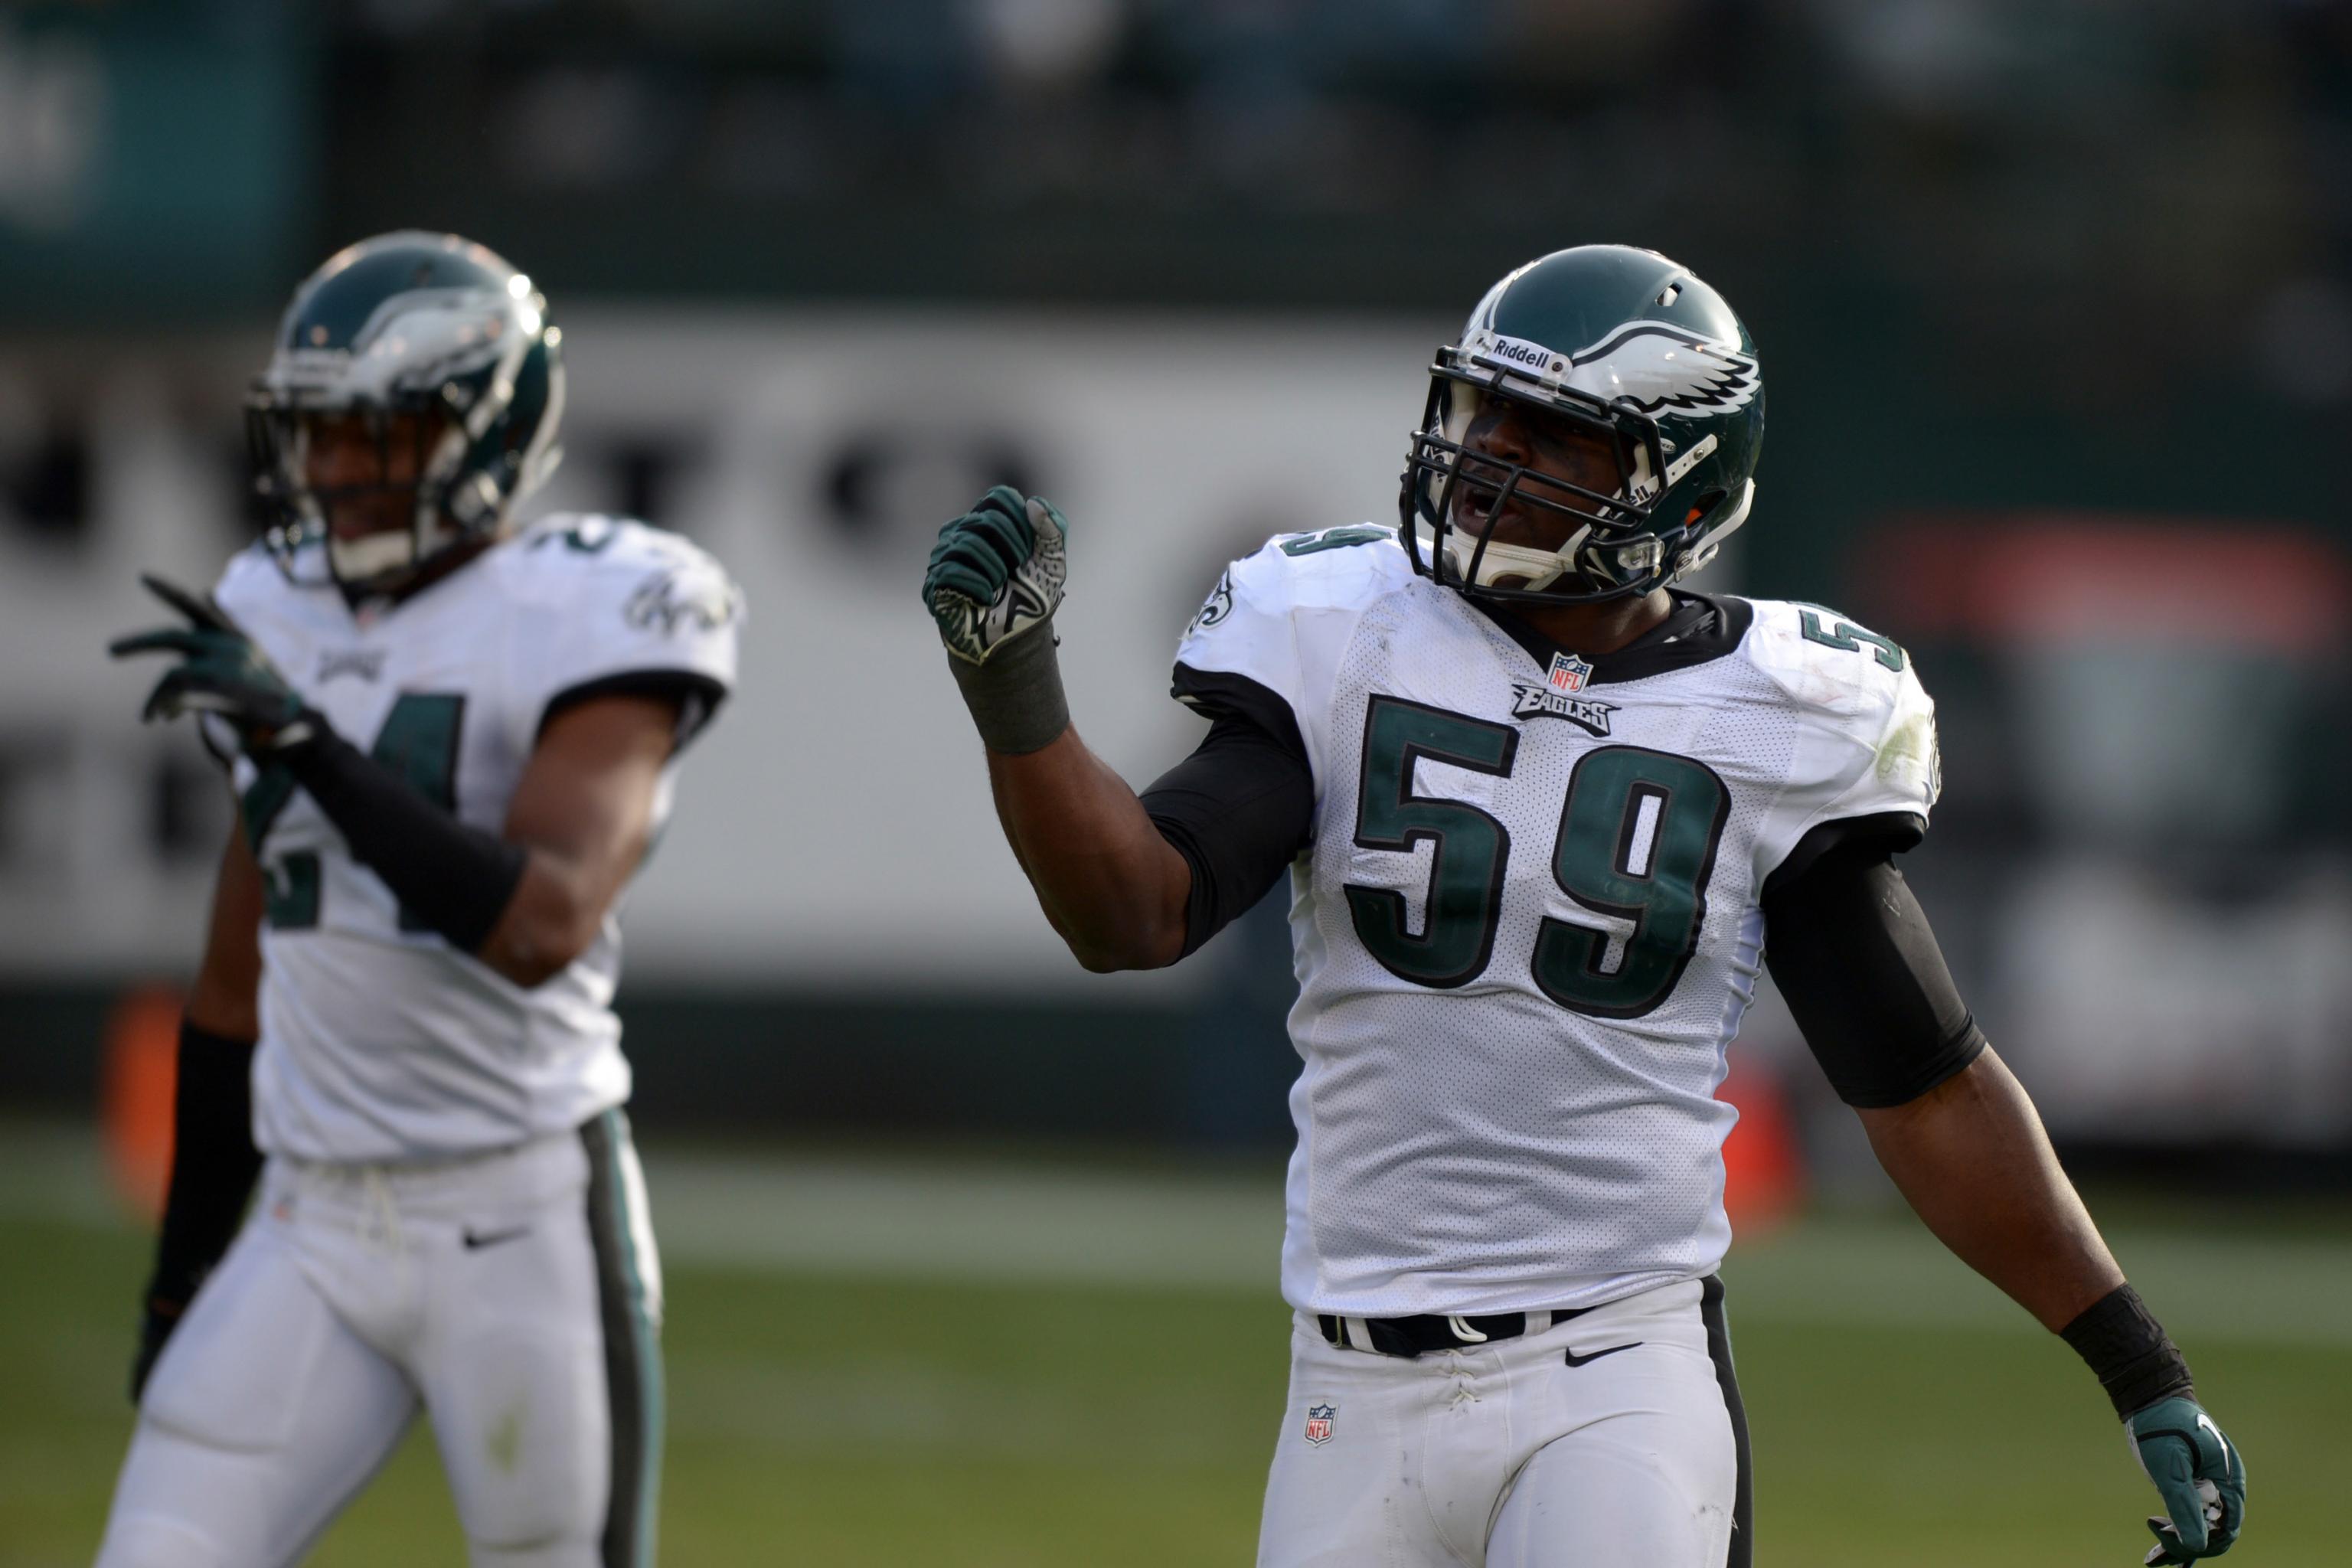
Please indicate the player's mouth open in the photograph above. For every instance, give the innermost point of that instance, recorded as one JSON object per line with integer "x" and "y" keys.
{"x": 1475, "y": 494}
{"x": 357, "y": 517}
{"x": 1476, "y": 512}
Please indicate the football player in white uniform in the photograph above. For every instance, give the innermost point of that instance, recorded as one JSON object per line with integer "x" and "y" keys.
{"x": 1545, "y": 815}
{"x": 452, "y": 739}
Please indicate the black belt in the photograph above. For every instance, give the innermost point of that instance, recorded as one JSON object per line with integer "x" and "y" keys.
{"x": 1410, "y": 1337}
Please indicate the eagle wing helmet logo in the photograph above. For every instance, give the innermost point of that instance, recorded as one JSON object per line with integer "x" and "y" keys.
{"x": 1657, "y": 366}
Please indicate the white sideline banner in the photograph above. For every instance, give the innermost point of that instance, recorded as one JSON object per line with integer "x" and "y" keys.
{"x": 835, "y": 832}
{"x": 834, "y": 827}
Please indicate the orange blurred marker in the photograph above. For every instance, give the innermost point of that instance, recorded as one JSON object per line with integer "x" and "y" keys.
{"x": 141, "y": 1074}
{"x": 1764, "y": 1165}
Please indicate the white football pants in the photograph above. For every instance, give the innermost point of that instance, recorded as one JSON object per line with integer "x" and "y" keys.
{"x": 1511, "y": 1456}
{"x": 515, "y": 1296}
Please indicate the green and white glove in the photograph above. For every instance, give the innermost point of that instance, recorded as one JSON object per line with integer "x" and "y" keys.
{"x": 2196, "y": 1471}
{"x": 222, "y": 671}
{"x": 995, "y": 580}
{"x": 996, "y": 573}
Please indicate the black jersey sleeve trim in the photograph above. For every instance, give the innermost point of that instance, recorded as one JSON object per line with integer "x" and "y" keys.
{"x": 1239, "y": 810}
{"x": 1219, "y": 693}
{"x": 1855, "y": 958}
{"x": 698, "y": 697}
{"x": 1887, "y": 832}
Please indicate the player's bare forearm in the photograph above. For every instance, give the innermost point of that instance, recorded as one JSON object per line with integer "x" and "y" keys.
{"x": 1971, "y": 1157}
{"x": 224, "y": 1000}
{"x": 550, "y": 920}
{"x": 584, "y": 812}
{"x": 1109, "y": 884}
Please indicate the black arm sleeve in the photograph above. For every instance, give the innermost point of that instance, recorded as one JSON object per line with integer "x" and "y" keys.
{"x": 456, "y": 878}
{"x": 213, "y": 1163}
{"x": 1240, "y": 808}
{"x": 1853, "y": 954}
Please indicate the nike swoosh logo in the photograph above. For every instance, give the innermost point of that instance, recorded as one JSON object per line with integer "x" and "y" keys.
{"x": 491, "y": 1238}
{"x": 2207, "y": 1422}
{"x": 1576, "y": 1359}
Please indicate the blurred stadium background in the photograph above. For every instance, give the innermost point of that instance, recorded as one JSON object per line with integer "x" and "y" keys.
{"x": 973, "y": 1253}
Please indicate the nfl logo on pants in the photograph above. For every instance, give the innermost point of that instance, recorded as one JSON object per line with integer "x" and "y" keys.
{"x": 1319, "y": 1422}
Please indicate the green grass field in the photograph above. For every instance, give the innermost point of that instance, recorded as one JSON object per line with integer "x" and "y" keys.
{"x": 847, "y": 1388}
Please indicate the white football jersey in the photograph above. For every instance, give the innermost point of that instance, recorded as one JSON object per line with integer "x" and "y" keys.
{"x": 378, "y": 1041}
{"x": 1528, "y": 923}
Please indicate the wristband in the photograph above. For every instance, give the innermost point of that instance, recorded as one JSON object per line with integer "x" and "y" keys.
{"x": 1016, "y": 694}
{"x": 454, "y": 879}
{"x": 2136, "y": 1361}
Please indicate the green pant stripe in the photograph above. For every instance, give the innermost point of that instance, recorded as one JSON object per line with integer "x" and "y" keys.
{"x": 632, "y": 1352}
{"x": 1742, "y": 1551}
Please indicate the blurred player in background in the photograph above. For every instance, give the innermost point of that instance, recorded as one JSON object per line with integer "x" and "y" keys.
{"x": 452, "y": 739}
{"x": 1544, "y": 815}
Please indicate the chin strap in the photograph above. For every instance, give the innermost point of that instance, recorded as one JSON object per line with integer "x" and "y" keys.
{"x": 1712, "y": 540}
{"x": 1540, "y": 568}
{"x": 371, "y": 555}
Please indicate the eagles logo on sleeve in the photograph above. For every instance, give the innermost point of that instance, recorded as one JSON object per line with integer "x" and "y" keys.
{"x": 1216, "y": 606}
{"x": 695, "y": 594}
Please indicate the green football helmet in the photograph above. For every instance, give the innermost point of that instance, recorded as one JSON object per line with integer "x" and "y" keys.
{"x": 409, "y": 323}
{"x": 1630, "y": 347}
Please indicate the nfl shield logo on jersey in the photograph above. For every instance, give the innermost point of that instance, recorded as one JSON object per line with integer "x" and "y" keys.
{"x": 1558, "y": 697}
{"x": 1319, "y": 1422}
{"x": 1570, "y": 672}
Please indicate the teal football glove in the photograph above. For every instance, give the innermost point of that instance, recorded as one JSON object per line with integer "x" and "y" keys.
{"x": 220, "y": 671}
{"x": 2197, "y": 1472}
{"x": 997, "y": 571}
{"x": 996, "y": 577}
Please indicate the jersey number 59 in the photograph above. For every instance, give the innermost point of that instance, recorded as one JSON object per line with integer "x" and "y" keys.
{"x": 1636, "y": 842}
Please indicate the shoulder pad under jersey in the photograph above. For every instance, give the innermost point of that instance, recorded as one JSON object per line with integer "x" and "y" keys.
{"x": 1279, "y": 619}
{"x": 1866, "y": 728}
{"x": 604, "y": 598}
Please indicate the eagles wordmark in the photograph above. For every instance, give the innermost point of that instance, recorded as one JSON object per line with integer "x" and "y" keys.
{"x": 1531, "y": 701}
{"x": 1558, "y": 697}
{"x": 366, "y": 663}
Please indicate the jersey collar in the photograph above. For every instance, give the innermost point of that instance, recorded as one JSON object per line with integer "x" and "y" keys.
{"x": 1700, "y": 628}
